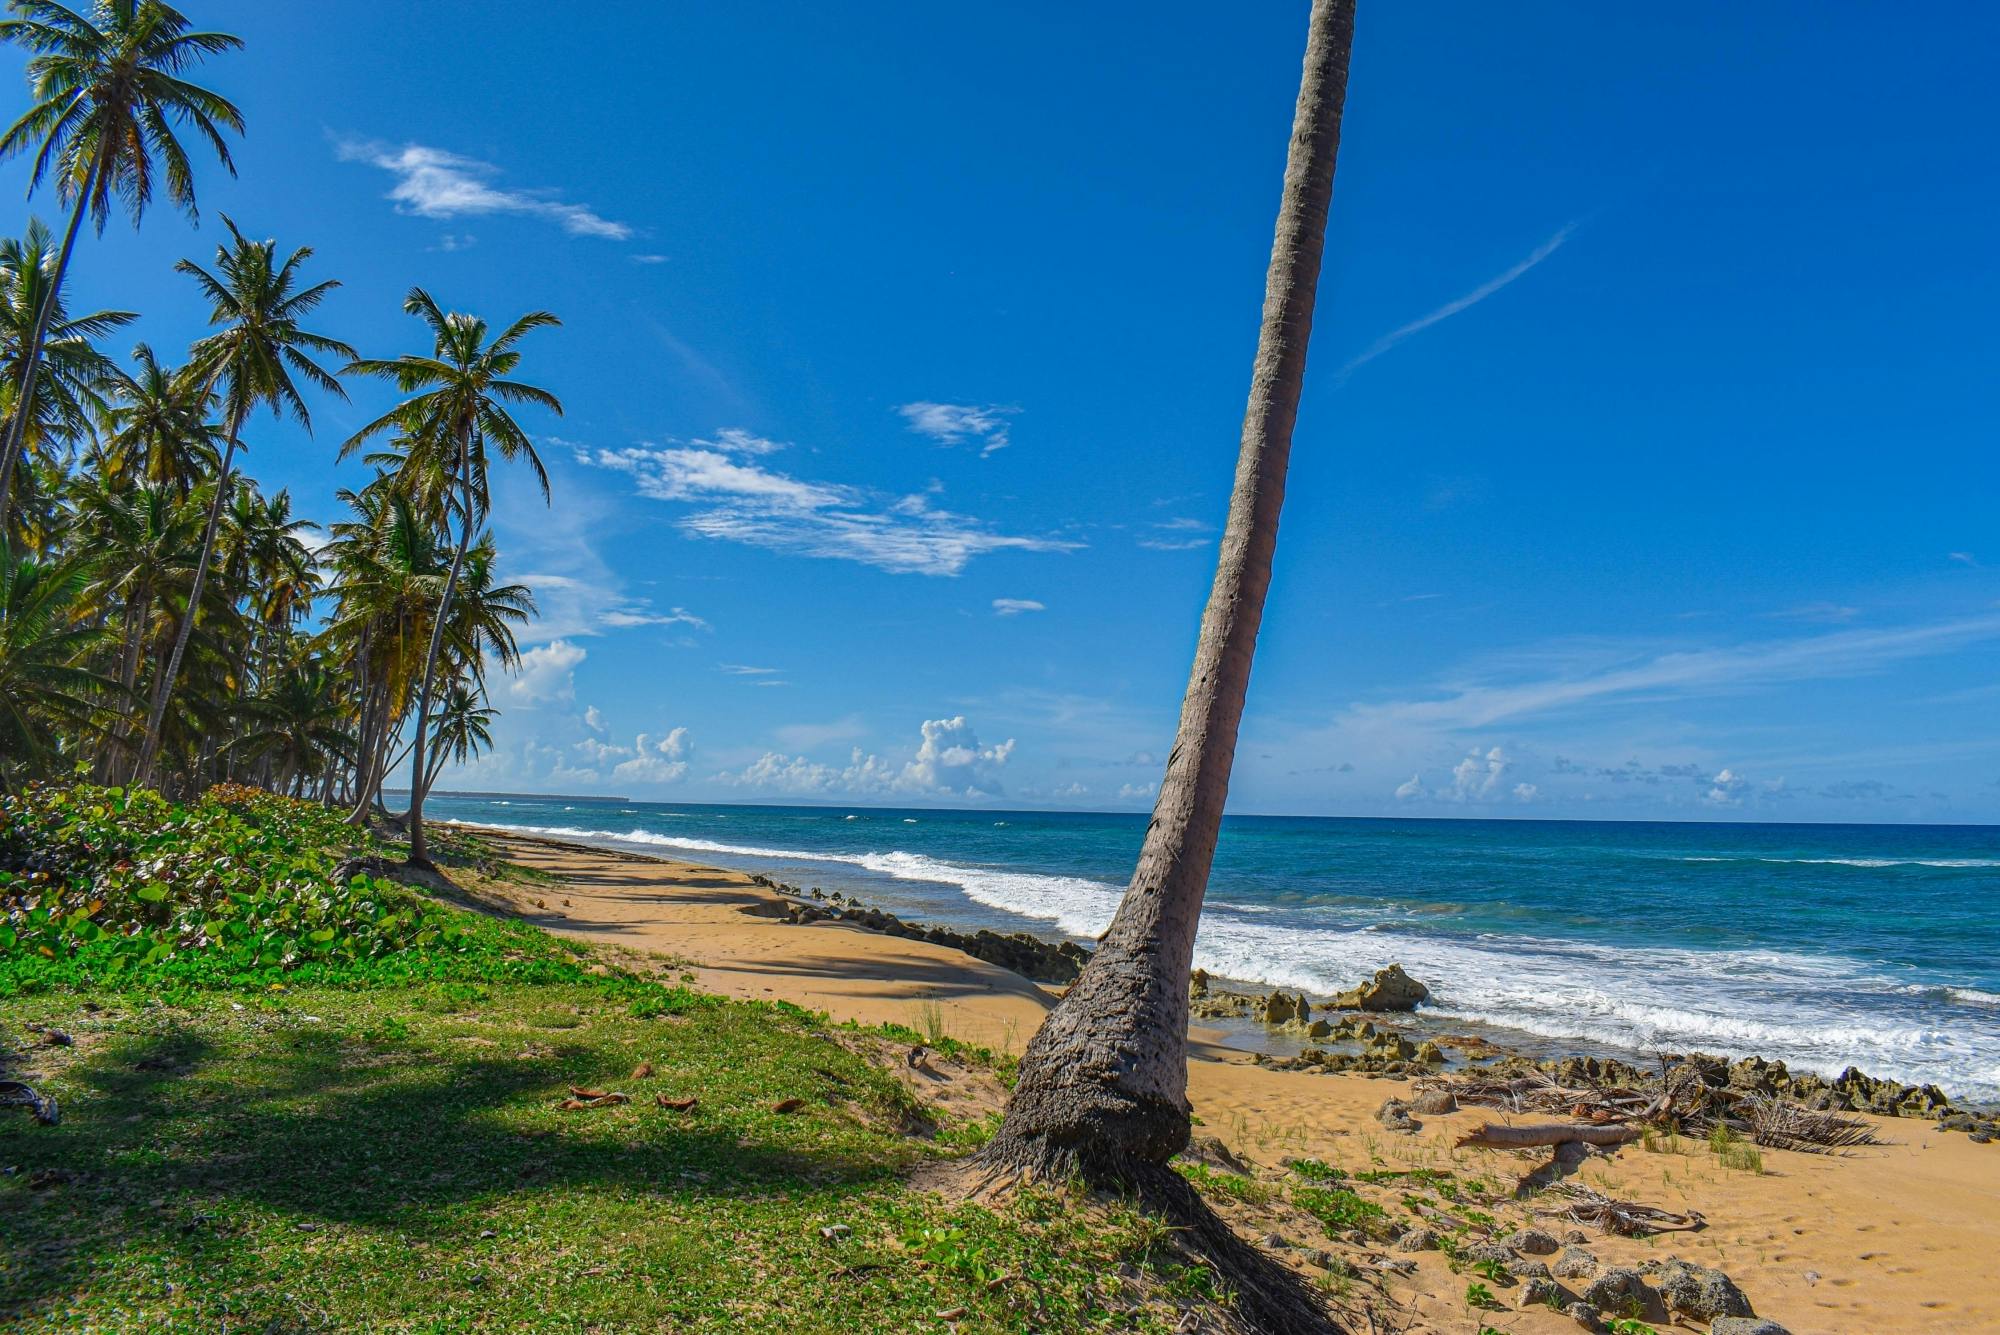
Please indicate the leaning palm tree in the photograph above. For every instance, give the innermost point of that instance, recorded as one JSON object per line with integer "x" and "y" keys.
{"x": 108, "y": 93}
{"x": 250, "y": 360}
{"x": 458, "y": 409}
{"x": 60, "y": 387}
{"x": 1102, "y": 1090}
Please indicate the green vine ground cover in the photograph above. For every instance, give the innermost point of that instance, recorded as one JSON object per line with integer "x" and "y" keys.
{"x": 265, "y": 1131}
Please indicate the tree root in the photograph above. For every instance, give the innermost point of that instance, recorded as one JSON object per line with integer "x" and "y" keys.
{"x": 1268, "y": 1296}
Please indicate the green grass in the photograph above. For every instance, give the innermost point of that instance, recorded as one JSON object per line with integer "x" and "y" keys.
{"x": 397, "y": 1159}
{"x": 344, "y": 1112}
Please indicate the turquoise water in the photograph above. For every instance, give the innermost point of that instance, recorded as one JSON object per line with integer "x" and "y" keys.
{"x": 1823, "y": 945}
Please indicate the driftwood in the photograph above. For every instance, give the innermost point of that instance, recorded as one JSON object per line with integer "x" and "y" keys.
{"x": 1538, "y": 1135}
{"x": 1622, "y": 1217}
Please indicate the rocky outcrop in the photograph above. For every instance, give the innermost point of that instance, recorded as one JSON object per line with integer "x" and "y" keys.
{"x": 1699, "y": 1292}
{"x": 1029, "y": 956}
{"x": 1389, "y": 990}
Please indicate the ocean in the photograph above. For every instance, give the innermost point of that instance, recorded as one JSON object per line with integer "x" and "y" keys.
{"x": 1876, "y": 946}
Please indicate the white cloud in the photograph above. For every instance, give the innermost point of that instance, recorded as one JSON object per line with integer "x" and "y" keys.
{"x": 593, "y": 719}
{"x": 738, "y": 499}
{"x": 1451, "y": 308}
{"x": 1007, "y": 607}
{"x": 949, "y": 762}
{"x": 433, "y": 183}
{"x": 1963, "y": 558}
{"x": 1597, "y": 675}
{"x": 1726, "y": 789}
{"x": 1413, "y": 787}
{"x": 649, "y": 259}
{"x": 1525, "y": 792}
{"x": 951, "y": 759}
{"x": 747, "y": 670}
{"x": 1476, "y": 777}
{"x": 957, "y": 423}
{"x": 1133, "y": 792}
{"x": 546, "y": 674}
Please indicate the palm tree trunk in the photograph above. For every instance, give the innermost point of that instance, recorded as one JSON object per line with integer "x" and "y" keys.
{"x": 17, "y": 425}
{"x": 1103, "y": 1086}
{"x": 163, "y": 689}
{"x": 419, "y": 857}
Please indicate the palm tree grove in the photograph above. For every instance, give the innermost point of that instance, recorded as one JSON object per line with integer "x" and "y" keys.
{"x": 168, "y": 623}
{"x": 596, "y": 721}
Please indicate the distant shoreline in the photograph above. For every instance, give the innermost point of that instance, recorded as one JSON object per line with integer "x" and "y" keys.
{"x": 507, "y": 797}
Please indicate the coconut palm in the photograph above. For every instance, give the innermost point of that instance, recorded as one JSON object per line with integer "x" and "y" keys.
{"x": 251, "y": 360}
{"x": 296, "y": 728}
{"x": 47, "y": 691}
{"x": 157, "y": 426}
{"x": 458, "y": 410}
{"x": 1102, "y": 1090}
{"x": 70, "y": 371}
{"x": 109, "y": 91}
{"x": 464, "y": 728}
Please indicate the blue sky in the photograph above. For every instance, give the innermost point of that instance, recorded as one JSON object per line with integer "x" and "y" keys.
{"x": 1646, "y": 466}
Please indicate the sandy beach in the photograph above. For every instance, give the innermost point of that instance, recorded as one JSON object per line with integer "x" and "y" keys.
{"x": 1894, "y": 1237}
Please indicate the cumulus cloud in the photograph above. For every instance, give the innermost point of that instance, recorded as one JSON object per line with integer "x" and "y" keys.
{"x": 949, "y": 761}
{"x": 1477, "y": 776}
{"x": 1726, "y": 789}
{"x": 434, "y": 183}
{"x": 957, "y": 423}
{"x": 736, "y": 497}
{"x": 656, "y": 760}
{"x": 1008, "y": 607}
{"x": 546, "y": 673}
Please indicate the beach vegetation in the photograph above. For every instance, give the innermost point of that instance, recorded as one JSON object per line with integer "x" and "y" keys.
{"x": 1478, "y": 1295}
{"x": 496, "y": 1127}
{"x": 1339, "y": 1208}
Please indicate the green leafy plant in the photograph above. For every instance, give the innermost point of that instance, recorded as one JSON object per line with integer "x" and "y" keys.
{"x": 1478, "y": 1295}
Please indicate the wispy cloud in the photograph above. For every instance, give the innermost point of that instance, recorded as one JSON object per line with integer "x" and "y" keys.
{"x": 957, "y": 423}
{"x": 1964, "y": 559}
{"x": 1179, "y": 534}
{"x": 434, "y": 183}
{"x": 746, "y": 670}
{"x": 736, "y": 497}
{"x": 1009, "y": 607}
{"x": 1461, "y": 304}
{"x": 1478, "y": 704}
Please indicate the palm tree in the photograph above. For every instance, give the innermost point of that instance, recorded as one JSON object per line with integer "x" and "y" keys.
{"x": 47, "y": 692}
{"x": 158, "y": 428}
{"x": 458, "y": 408}
{"x": 108, "y": 92}
{"x": 464, "y": 728}
{"x": 1102, "y": 1090}
{"x": 69, "y": 372}
{"x": 251, "y": 359}
{"x": 296, "y": 727}
{"x": 144, "y": 536}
